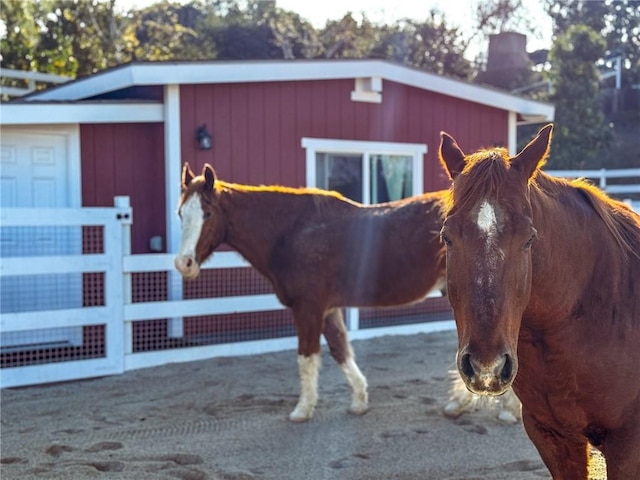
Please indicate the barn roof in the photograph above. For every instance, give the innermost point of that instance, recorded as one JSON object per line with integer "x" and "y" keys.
{"x": 373, "y": 72}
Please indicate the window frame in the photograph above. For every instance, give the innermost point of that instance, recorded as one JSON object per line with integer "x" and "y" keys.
{"x": 365, "y": 148}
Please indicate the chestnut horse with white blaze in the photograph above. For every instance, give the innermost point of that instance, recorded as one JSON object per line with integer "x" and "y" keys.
{"x": 543, "y": 275}
{"x": 321, "y": 252}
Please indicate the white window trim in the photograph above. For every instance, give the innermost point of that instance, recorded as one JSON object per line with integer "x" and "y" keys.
{"x": 326, "y": 145}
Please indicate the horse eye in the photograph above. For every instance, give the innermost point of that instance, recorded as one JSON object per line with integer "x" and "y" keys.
{"x": 446, "y": 240}
{"x": 529, "y": 243}
{"x": 207, "y": 215}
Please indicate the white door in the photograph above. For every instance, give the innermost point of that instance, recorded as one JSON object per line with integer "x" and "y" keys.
{"x": 35, "y": 172}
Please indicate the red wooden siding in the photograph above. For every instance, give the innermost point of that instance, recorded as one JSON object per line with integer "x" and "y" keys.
{"x": 126, "y": 159}
{"x": 257, "y": 127}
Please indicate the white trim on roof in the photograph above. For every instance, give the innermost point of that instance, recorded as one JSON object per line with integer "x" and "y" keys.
{"x": 60, "y": 113}
{"x": 288, "y": 70}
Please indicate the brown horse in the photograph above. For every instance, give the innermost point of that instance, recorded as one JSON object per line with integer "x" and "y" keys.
{"x": 321, "y": 252}
{"x": 543, "y": 275}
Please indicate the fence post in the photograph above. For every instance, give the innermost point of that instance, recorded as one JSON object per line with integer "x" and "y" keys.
{"x": 352, "y": 319}
{"x": 172, "y": 165}
{"x": 127, "y": 296}
{"x": 603, "y": 179}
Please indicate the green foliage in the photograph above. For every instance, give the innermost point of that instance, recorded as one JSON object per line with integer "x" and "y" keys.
{"x": 63, "y": 37}
{"x": 617, "y": 21}
{"x": 77, "y": 38}
{"x": 430, "y": 45}
{"x": 580, "y": 133}
{"x": 18, "y": 46}
{"x": 165, "y": 31}
{"x": 346, "y": 38}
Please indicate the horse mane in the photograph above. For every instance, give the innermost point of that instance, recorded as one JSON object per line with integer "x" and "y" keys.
{"x": 318, "y": 198}
{"x": 618, "y": 217}
{"x": 490, "y": 173}
{"x": 220, "y": 185}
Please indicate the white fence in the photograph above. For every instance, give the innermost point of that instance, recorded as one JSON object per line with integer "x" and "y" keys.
{"x": 603, "y": 179}
{"x": 30, "y": 333}
{"x": 28, "y": 80}
{"x": 45, "y": 342}
{"x": 112, "y": 320}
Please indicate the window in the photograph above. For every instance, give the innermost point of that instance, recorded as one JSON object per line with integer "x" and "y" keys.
{"x": 367, "y": 172}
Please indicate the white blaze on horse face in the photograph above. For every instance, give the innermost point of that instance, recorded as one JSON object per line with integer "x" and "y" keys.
{"x": 192, "y": 221}
{"x": 487, "y": 223}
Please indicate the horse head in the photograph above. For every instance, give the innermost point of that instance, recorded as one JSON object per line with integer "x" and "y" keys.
{"x": 489, "y": 232}
{"x": 203, "y": 224}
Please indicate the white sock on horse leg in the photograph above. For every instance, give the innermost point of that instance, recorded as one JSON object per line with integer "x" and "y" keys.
{"x": 460, "y": 399}
{"x": 358, "y": 382}
{"x": 308, "y": 368}
{"x": 510, "y": 408}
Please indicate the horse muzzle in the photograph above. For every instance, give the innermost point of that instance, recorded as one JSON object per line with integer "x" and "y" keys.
{"x": 487, "y": 378}
{"x": 187, "y": 266}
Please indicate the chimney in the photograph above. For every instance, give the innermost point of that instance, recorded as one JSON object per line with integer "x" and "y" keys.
{"x": 508, "y": 64}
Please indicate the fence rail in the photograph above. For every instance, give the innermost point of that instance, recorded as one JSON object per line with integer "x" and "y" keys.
{"x": 603, "y": 175}
{"x": 113, "y": 276}
{"x": 115, "y": 320}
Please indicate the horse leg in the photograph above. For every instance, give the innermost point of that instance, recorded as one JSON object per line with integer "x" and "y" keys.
{"x": 509, "y": 408}
{"x": 460, "y": 398}
{"x": 335, "y": 332}
{"x": 620, "y": 449}
{"x": 566, "y": 458}
{"x": 309, "y": 326}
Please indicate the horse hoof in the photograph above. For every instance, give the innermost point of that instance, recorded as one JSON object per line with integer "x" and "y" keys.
{"x": 507, "y": 417}
{"x": 300, "y": 417}
{"x": 296, "y": 419}
{"x": 358, "y": 409}
{"x": 452, "y": 410}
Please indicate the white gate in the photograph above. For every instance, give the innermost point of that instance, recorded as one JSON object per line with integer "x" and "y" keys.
{"x": 35, "y": 353}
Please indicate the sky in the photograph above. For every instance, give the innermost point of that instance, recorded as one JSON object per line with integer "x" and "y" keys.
{"x": 457, "y": 13}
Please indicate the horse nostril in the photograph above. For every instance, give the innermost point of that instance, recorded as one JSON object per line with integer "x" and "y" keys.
{"x": 507, "y": 369}
{"x": 188, "y": 262}
{"x": 465, "y": 366}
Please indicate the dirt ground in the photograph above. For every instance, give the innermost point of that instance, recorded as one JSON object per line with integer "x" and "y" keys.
{"x": 226, "y": 419}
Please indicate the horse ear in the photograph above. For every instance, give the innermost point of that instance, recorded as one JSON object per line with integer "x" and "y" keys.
{"x": 450, "y": 155}
{"x": 209, "y": 175}
{"x": 187, "y": 175}
{"x": 534, "y": 155}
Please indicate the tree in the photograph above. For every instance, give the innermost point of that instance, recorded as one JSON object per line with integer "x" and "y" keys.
{"x": 430, "y": 45}
{"x": 166, "y": 31}
{"x": 348, "y": 38}
{"x": 580, "y": 134}
{"x": 293, "y": 36}
{"x": 18, "y": 46}
{"x": 618, "y": 21}
{"x": 497, "y": 16}
{"x": 63, "y": 37}
{"x": 79, "y": 38}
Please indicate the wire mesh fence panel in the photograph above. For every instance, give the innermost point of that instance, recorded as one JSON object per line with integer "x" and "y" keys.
{"x": 60, "y": 294}
{"x": 431, "y": 309}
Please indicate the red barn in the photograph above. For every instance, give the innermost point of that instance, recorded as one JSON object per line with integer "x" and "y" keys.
{"x": 126, "y": 131}
{"x": 136, "y": 124}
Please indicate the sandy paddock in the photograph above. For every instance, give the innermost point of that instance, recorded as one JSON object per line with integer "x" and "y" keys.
{"x": 226, "y": 419}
